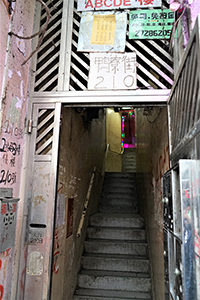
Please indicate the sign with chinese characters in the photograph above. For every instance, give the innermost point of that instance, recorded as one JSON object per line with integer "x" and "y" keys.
{"x": 102, "y": 32}
{"x": 112, "y": 71}
{"x": 84, "y": 5}
{"x": 150, "y": 24}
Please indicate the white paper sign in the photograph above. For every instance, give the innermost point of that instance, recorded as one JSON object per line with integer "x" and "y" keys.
{"x": 84, "y": 5}
{"x": 60, "y": 210}
{"x": 102, "y": 31}
{"x": 112, "y": 71}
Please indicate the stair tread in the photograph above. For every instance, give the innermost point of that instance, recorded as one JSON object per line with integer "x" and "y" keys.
{"x": 121, "y": 274}
{"x": 118, "y": 215}
{"x": 116, "y": 256}
{"x": 117, "y": 208}
{"x": 112, "y": 295}
{"x": 116, "y": 241}
{"x": 117, "y": 228}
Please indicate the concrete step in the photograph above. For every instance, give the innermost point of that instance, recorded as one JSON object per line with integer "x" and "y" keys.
{"x": 114, "y": 220}
{"x": 125, "y": 190}
{"x": 112, "y": 201}
{"x": 122, "y": 263}
{"x": 115, "y": 233}
{"x": 128, "y": 160}
{"x": 119, "y": 281}
{"x": 95, "y": 294}
{"x": 119, "y": 192}
{"x": 129, "y": 166}
{"x": 116, "y": 247}
{"x": 129, "y": 163}
{"x": 120, "y": 174}
{"x": 125, "y": 179}
{"x": 122, "y": 181}
{"x": 118, "y": 209}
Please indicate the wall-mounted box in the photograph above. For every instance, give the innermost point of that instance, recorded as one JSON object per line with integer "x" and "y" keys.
{"x": 8, "y": 216}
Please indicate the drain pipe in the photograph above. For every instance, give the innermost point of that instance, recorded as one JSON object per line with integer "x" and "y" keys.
{"x": 86, "y": 204}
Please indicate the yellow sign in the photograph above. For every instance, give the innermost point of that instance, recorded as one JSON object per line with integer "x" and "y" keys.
{"x": 103, "y": 30}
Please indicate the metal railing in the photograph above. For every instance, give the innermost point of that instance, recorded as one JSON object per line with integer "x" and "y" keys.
{"x": 86, "y": 204}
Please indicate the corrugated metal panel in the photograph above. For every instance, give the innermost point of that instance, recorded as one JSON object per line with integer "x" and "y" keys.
{"x": 184, "y": 104}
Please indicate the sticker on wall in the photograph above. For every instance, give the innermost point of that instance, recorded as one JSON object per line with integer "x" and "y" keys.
{"x": 85, "y": 5}
{"x": 111, "y": 71}
{"x": 60, "y": 210}
{"x": 35, "y": 263}
{"x": 150, "y": 24}
{"x": 102, "y": 32}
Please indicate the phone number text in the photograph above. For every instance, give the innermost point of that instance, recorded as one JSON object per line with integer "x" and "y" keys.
{"x": 152, "y": 33}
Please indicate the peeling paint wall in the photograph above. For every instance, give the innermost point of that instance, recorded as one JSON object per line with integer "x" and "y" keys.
{"x": 82, "y": 147}
{"x": 4, "y": 28}
{"x": 152, "y": 163}
{"x": 14, "y": 90}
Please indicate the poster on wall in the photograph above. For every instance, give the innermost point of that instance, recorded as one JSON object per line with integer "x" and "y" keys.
{"x": 150, "y": 24}
{"x": 102, "y": 32}
{"x": 88, "y": 5}
{"x": 111, "y": 71}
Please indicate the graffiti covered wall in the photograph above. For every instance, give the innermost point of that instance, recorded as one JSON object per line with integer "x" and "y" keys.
{"x": 82, "y": 148}
{"x": 16, "y": 17}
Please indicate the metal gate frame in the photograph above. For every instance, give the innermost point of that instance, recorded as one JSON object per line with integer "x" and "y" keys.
{"x": 38, "y": 223}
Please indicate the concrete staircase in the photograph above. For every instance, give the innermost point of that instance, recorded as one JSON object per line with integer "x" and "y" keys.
{"x": 129, "y": 160}
{"x": 115, "y": 262}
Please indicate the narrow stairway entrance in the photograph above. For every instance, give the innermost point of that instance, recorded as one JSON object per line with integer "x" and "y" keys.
{"x": 115, "y": 262}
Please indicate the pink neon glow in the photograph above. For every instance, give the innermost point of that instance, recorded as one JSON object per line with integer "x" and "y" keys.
{"x": 129, "y": 146}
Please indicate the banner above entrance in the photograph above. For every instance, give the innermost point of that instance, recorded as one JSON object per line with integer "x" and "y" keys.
{"x": 84, "y": 5}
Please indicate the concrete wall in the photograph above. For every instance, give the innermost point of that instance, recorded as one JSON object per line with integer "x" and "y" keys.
{"x": 82, "y": 147}
{"x": 152, "y": 163}
{"x": 14, "y": 91}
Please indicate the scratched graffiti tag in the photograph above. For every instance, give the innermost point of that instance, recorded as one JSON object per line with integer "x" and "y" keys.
{"x": 11, "y": 129}
{"x": 10, "y": 151}
{"x": 38, "y": 200}
{"x": 74, "y": 185}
